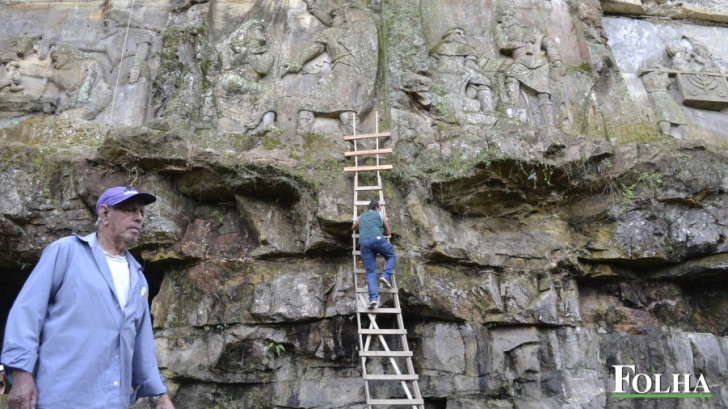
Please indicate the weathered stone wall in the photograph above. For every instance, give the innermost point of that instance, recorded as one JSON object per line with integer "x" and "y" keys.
{"x": 558, "y": 199}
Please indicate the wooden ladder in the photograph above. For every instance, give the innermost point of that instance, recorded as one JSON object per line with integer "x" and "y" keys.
{"x": 369, "y": 336}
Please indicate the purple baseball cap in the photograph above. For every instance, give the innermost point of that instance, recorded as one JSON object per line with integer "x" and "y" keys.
{"x": 115, "y": 195}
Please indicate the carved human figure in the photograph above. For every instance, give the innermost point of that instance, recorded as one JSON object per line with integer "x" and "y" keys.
{"x": 244, "y": 104}
{"x": 80, "y": 79}
{"x": 9, "y": 75}
{"x": 688, "y": 54}
{"x": 456, "y": 66}
{"x": 667, "y": 111}
{"x": 177, "y": 99}
{"x": 119, "y": 47}
{"x": 351, "y": 44}
{"x": 125, "y": 51}
{"x": 528, "y": 76}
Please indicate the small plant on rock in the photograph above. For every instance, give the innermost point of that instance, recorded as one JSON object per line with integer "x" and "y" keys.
{"x": 276, "y": 348}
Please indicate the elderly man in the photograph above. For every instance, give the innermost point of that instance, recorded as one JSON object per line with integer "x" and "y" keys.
{"x": 373, "y": 226}
{"x": 79, "y": 334}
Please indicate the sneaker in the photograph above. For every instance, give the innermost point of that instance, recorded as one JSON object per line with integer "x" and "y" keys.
{"x": 383, "y": 281}
{"x": 373, "y": 305}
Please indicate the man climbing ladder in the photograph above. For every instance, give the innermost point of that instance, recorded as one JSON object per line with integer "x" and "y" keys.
{"x": 384, "y": 350}
{"x": 372, "y": 227}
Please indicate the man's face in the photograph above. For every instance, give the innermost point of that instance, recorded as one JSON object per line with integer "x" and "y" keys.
{"x": 508, "y": 19}
{"x": 125, "y": 220}
{"x": 457, "y": 36}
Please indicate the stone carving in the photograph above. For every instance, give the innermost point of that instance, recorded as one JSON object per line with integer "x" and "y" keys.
{"x": 458, "y": 73}
{"x": 668, "y": 112}
{"x": 178, "y": 85}
{"x": 534, "y": 71}
{"x": 79, "y": 78}
{"x": 125, "y": 52}
{"x": 243, "y": 103}
{"x": 9, "y": 76}
{"x": 17, "y": 101}
{"x": 22, "y": 46}
{"x": 351, "y": 42}
{"x": 603, "y": 62}
{"x": 700, "y": 76}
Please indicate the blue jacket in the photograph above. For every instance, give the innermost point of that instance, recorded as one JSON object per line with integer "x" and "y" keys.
{"x": 68, "y": 328}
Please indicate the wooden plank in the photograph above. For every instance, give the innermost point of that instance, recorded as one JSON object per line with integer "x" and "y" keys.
{"x": 385, "y": 353}
{"x": 383, "y": 331}
{"x": 368, "y": 136}
{"x": 370, "y": 377}
{"x": 367, "y": 168}
{"x": 360, "y": 188}
{"x": 365, "y": 310}
{"x": 396, "y": 402}
{"x": 369, "y": 152}
{"x": 381, "y": 290}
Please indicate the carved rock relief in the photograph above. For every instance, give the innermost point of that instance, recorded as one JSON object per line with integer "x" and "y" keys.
{"x": 245, "y": 105}
{"x": 459, "y": 79}
{"x": 533, "y": 69}
{"x": 349, "y": 40}
{"x": 517, "y": 81}
{"x": 696, "y": 77}
{"x": 107, "y": 78}
{"x": 708, "y": 10}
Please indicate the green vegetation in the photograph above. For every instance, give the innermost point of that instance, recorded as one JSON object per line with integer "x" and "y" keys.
{"x": 276, "y": 348}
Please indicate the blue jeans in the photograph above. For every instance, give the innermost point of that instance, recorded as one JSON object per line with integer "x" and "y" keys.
{"x": 369, "y": 250}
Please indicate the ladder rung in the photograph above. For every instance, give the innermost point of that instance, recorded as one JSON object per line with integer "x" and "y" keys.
{"x": 367, "y": 331}
{"x": 396, "y": 402}
{"x": 365, "y": 310}
{"x": 367, "y": 168}
{"x": 368, "y": 377}
{"x": 369, "y": 152}
{"x": 359, "y": 188}
{"x": 381, "y": 290}
{"x": 367, "y": 136}
{"x": 385, "y": 353}
{"x": 365, "y": 203}
{"x": 356, "y": 253}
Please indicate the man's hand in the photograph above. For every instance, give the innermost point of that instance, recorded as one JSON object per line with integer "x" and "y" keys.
{"x": 24, "y": 394}
{"x": 164, "y": 402}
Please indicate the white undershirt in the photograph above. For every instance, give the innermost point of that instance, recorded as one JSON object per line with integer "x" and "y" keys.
{"x": 120, "y": 273}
